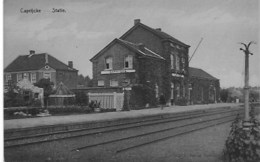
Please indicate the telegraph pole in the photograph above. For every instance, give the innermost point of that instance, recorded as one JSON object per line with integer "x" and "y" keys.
{"x": 246, "y": 88}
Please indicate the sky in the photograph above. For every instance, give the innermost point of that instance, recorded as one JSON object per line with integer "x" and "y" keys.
{"x": 88, "y": 26}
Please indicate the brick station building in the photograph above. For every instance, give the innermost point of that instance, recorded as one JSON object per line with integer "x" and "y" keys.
{"x": 152, "y": 62}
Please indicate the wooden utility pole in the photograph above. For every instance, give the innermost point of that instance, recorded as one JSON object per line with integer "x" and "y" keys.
{"x": 246, "y": 88}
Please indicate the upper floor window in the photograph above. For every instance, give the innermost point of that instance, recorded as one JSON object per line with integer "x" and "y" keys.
{"x": 33, "y": 77}
{"x": 129, "y": 62}
{"x": 8, "y": 77}
{"x": 172, "y": 61}
{"x": 177, "y": 62}
{"x": 183, "y": 63}
{"x": 19, "y": 77}
{"x": 101, "y": 83}
{"x": 109, "y": 62}
{"x": 47, "y": 75}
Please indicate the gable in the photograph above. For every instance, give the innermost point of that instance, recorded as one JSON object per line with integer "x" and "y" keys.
{"x": 139, "y": 34}
{"x": 117, "y": 52}
{"x": 131, "y": 47}
{"x": 47, "y": 68}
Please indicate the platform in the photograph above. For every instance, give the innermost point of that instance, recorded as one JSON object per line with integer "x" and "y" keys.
{"x": 95, "y": 117}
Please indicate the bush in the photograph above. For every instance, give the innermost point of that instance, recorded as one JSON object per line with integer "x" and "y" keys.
{"x": 181, "y": 101}
{"x": 9, "y": 112}
{"x": 69, "y": 110}
{"x": 94, "y": 104}
{"x": 107, "y": 110}
{"x": 81, "y": 98}
{"x": 13, "y": 100}
{"x": 241, "y": 145}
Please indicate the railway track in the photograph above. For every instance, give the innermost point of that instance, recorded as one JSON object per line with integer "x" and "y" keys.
{"x": 173, "y": 118}
{"x": 204, "y": 121}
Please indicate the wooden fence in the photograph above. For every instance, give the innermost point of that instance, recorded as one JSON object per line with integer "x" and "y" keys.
{"x": 108, "y": 100}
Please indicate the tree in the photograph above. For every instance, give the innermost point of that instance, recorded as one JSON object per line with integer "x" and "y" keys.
{"x": 84, "y": 81}
{"x": 47, "y": 86}
{"x": 224, "y": 95}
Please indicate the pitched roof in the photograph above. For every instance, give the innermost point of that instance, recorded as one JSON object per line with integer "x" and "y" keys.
{"x": 131, "y": 46}
{"x": 35, "y": 62}
{"x": 145, "y": 52}
{"x": 159, "y": 33}
{"x": 199, "y": 73}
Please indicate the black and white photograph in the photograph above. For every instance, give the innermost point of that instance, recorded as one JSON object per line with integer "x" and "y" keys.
{"x": 131, "y": 81}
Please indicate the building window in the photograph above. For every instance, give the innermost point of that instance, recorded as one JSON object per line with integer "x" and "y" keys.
{"x": 183, "y": 63}
{"x": 19, "y": 77}
{"x": 26, "y": 76}
{"x": 126, "y": 82}
{"x": 177, "y": 62}
{"x": 33, "y": 77}
{"x": 113, "y": 83}
{"x": 47, "y": 75}
{"x": 177, "y": 90}
{"x": 101, "y": 83}
{"x": 172, "y": 90}
{"x": 183, "y": 91}
{"x": 109, "y": 62}
{"x": 172, "y": 61}
{"x": 8, "y": 77}
{"x": 129, "y": 62}
{"x": 156, "y": 91}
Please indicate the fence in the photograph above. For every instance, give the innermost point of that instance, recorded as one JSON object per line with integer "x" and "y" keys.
{"x": 108, "y": 100}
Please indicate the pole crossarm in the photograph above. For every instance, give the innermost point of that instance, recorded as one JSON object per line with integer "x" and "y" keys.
{"x": 246, "y": 50}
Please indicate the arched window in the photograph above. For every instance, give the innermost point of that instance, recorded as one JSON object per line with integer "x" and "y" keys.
{"x": 178, "y": 91}
{"x": 172, "y": 61}
{"x": 109, "y": 62}
{"x": 183, "y": 63}
{"x": 156, "y": 91}
{"x": 177, "y": 62}
{"x": 172, "y": 90}
{"x": 129, "y": 62}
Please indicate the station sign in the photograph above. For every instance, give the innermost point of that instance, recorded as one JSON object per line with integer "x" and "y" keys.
{"x": 127, "y": 88}
{"x": 118, "y": 71}
{"x": 177, "y": 75}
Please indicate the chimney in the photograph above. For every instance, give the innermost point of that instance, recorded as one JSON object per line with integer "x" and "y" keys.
{"x": 70, "y": 64}
{"x": 32, "y": 52}
{"x": 141, "y": 47}
{"x": 136, "y": 21}
{"x": 46, "y": 58}
{"x": 158, "y": 29}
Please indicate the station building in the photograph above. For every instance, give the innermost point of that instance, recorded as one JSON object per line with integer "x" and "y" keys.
{"x": 152, "y": 62}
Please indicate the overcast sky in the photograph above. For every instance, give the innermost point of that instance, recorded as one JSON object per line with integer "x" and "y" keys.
{"x": 87, "y": 26}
